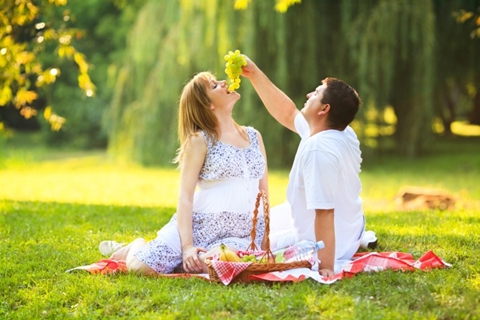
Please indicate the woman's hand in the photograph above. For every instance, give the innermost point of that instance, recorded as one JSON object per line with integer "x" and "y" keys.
{"x": 191, "y": 262}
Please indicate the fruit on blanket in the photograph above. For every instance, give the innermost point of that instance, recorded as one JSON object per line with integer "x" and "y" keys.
{"x": 228, "y": 255}
{"x": 249, "y": 258}
{"x": 280, "y": 258}
{"x": 264, "y": 259}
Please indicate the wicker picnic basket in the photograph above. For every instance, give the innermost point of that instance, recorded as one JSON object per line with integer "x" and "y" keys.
{"x": 259, "y": 268}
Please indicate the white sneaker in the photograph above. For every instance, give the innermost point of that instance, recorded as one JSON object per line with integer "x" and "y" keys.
{"x": 369, "y": 240}
{"x": 108, "y": 247}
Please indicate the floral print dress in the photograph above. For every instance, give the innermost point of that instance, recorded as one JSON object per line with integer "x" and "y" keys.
{"x": 222, "y": 208}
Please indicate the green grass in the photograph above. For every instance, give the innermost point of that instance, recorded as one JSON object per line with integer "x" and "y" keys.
{"x": 55, "y": 208}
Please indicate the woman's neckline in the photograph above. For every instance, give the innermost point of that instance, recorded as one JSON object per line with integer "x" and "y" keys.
{"x": 240, "y": 148}
{"x": 232, "y": 146}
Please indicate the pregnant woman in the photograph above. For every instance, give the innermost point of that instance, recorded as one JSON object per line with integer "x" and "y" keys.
{"x": 223, "y": 167}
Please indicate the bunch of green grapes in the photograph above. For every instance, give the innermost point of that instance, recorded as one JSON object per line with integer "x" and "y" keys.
{"x": 249, "y": 258}
{"x": 233, "y": 68}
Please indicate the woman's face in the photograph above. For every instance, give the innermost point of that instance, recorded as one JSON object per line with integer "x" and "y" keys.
{"x": 219, "y": 95}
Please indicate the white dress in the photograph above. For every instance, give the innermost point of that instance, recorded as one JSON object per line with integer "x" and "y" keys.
{"x": 222, "y": 207}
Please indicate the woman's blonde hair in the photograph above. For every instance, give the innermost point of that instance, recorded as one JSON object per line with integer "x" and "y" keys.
{"x": 194, "y": 113}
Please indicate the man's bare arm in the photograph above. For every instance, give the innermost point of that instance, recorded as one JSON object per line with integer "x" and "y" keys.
{"x": 325, "y": 231}
{"x": 278, "y": 104}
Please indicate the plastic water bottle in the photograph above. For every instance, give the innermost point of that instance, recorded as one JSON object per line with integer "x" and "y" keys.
{"x": 302, "y": 250}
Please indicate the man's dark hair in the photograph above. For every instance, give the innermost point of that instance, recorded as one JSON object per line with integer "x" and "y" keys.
{"x": 343, "y": 100}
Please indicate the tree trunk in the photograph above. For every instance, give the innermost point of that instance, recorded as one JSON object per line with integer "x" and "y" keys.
{"x": 474, "y": 117}
{"x": 407, "y": 112}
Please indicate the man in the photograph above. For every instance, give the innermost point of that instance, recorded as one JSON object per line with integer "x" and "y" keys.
{"x": 324, "y": 185}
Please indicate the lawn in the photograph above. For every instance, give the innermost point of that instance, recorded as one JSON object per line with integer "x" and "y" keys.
{"x": 55, "y": 207}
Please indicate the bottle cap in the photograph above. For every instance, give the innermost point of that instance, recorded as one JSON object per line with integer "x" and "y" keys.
{"x": 320, "y": 245}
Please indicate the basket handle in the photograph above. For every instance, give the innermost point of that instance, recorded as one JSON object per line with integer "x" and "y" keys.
{"x": 262, "y": 195}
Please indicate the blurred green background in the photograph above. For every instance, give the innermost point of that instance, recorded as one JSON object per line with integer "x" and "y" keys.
{"x": 415, "y": 64}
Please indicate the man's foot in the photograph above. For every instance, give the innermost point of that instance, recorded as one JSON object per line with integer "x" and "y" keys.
{"x": 108, "y": 247}
{"x": 369, "y": 240}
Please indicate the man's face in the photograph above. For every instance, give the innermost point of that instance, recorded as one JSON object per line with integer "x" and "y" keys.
{"x": 314, "y": 104}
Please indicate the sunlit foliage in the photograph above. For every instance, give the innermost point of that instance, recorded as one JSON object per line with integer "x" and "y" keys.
{"x": 25, "y": 32}
{"x": 463, "y": 16}
{"x": 280, "y": 5}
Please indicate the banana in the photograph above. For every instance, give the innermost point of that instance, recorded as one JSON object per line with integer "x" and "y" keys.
{"x": 228, "y": 255}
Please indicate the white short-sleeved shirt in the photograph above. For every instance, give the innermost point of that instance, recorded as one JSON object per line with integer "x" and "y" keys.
{"x": 325, "y": 175}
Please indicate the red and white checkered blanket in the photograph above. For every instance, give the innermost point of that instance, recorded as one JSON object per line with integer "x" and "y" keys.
{"x": 362, "y": 262}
